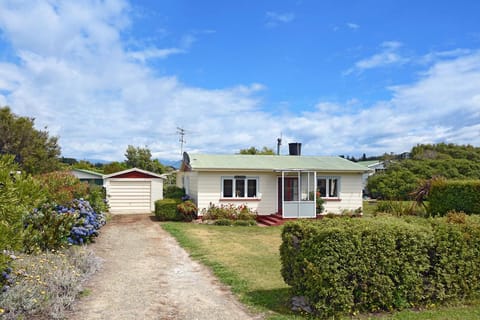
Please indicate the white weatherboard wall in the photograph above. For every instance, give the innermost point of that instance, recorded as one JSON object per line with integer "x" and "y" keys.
{"x": 350, "y": 194}
{"x": 133, "y": 195}
{"x": 206, "y": 188}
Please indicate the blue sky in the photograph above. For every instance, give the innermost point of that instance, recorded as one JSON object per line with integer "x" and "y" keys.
{"x": 342, "y": 77}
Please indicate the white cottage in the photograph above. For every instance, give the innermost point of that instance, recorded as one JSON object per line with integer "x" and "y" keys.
{"x": 287, "y": 185}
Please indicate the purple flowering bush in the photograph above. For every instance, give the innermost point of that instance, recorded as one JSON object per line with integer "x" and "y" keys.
{"x": 54, "y": 226}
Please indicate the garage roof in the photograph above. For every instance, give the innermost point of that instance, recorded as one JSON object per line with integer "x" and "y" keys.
{"x": 135, "y": 173}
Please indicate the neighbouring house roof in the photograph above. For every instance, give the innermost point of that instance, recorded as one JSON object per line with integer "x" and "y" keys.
{"x": 86, "y": 174}
{"x": 369, "y": 162}
{"x": 272, "y": 163}
{"x": 134, "y": 173}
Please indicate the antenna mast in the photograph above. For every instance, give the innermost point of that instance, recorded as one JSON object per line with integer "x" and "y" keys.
{"x": 182, "y": 140}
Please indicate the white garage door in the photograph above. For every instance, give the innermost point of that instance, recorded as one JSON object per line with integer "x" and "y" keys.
{"x": 129, "y": 196}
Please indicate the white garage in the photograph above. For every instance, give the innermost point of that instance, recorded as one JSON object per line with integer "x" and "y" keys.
{"x": 133, "y": 191}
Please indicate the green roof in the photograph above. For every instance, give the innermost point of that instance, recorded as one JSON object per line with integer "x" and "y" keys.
{"x": 272, "y": 163}
{"x": 368, "y": 162}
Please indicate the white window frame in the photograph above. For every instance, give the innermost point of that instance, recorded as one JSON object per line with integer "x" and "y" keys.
{"x": 234, "y": 184}
{"x": 327, "y": 186}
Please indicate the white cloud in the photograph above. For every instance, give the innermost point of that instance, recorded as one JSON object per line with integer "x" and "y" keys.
{"x": 352, "y": 25}
{"x": 273, "y": 19}
{"x": 388, "y": 56}
{"x": 74, "y": 74}
{"x": 154, "y": 53}
{"x": 442, "y": 105}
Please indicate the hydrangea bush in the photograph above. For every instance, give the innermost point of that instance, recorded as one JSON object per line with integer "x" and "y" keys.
{"x": 87, "y": 224}
{"x": 54, "y": 226}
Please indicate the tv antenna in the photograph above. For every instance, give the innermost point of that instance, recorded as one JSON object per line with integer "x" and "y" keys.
{"x": 181, "y": 132}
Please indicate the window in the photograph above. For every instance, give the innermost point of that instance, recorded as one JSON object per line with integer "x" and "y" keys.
{"x": 328, "y": 187}
{"x": 239, "y": 187}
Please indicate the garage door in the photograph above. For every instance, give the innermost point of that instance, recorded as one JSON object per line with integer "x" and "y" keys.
{"x": 129, "y": 196}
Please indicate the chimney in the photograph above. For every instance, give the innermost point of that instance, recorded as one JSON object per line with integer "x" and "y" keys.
{"x": 279, "y": 143}
{"x": 295, "y": 149}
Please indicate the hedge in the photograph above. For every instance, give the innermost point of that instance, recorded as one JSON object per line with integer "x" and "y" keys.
{"x": 448, "y": 195}
{"x": 166, "y": 210}
{"x": 347, "y": 266}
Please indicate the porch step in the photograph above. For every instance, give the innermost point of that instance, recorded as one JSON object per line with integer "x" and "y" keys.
{"x": 271, "y": 220}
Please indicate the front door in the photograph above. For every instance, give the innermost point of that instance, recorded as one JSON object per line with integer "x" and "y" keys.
{"x": 290, "y": 193}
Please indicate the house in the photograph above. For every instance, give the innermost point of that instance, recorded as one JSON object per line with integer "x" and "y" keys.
{"x": 91, "y": 177}
{"x": 374, "y": 166}
{"x": 133, "y": 191}
{"x": 269, "y": 184}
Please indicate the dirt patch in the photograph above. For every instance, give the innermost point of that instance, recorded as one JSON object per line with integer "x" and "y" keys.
{"x": 146, "y": 275}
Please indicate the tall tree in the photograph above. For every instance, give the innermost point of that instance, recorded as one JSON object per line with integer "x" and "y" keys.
{"x": 141, "y": 158}
{"x": 34, "y": 150}
{"x": 254, "y": 150}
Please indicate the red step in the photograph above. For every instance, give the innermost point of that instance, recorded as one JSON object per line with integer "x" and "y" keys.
{"x": 271, "y": 220}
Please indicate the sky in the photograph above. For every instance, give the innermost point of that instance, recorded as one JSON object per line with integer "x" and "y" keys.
{"x": 343, "y": 77}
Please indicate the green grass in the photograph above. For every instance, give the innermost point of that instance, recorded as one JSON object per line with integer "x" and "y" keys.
{"x": 248, "y": 260}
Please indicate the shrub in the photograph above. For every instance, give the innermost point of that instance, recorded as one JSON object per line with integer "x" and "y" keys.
{"x": 346, "y": 266}
{"x": 223, "y": 222}
{"x": 245, "y": 223}
{"x": 399, "y": 208}
{"x": 87, "y": 222}
{"x": 188, "y": 210}
{"x": 96, "y": 197}
{"x": 48, "y": 227}
{"x": 228, "y": 211}
{"x": 52, "y": 226}
{"x": 19, "y": 194}
{"x": 62, "y": 187}
{"x": 47, "y": 284}
{"x": 173, "y": 192}
{"x": 166, "y": 210}
{"x": 447, "y": 195}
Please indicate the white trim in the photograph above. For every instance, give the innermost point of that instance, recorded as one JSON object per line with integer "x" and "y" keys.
{"x": 154, "y": 175}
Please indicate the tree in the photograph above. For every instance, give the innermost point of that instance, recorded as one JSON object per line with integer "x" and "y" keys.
{"x": 34, "y": 150}
{"x": 142, "y": 158}
{"x": 113, "y": 167}
{"x": 253, "y": 150}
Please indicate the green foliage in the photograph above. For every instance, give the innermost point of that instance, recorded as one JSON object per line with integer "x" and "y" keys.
{"x": 448, "y": 195}
{"x": 47, "y": 229}
{"x": 400, "y": 208}
{"x": 113, "y": 167}
{"x": 96, "y": 197}
{"x": 229, "y": 212}
{"x": 245, "y": 223}
{"x": 401, "y": 176}
{"x": 62, "y": 187}
{"x": 188, "y": 210}
{"x": 141, "y": 158}
{"x": 173, "y": 192}
{"x": 33, "y": 149}
{"x": 166, "y": 210}
{"x": 346, "y": 266}
{"x": 254, "y": 150}
{"x": 394, "y": 184}
{"x": 223, "y": 222}
{"x": 19, "y": 194}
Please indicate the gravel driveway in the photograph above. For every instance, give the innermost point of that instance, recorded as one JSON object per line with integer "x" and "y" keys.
{"x": 147, "y": 275}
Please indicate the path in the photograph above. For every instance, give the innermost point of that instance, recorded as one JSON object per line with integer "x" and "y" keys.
{"x": 147, "y": 275}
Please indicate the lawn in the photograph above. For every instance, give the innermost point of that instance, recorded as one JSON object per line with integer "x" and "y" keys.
{"x": 248, "y": 260}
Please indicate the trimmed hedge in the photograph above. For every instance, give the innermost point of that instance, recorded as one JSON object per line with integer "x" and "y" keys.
{"x": 346, "y": 266}
{"x": 166, "y": 210}
{"x": 448, "y": 195}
